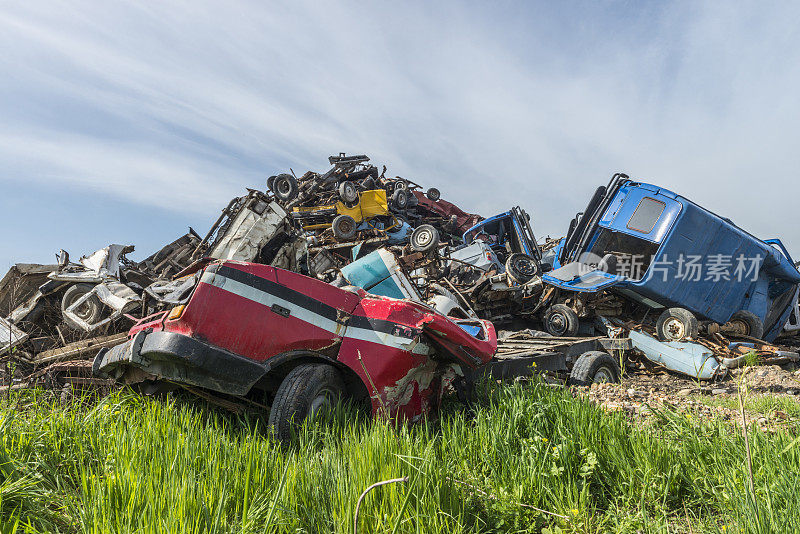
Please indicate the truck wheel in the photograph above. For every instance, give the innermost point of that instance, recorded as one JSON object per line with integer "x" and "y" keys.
{"x": 677, "y": 324}
{"x": 344, "y": 227}
{"x": 90, "y": 311}
{"x": 424, "y": 238}
{"x": 561, "y": 321}
{"x": 746, "y": 323}
{"x": 285, "y": 187}
{"x": 271, "y": 183}
{"x": 521, "y": 268}
{"x": 348, "y": 192}
{"x": 308, "y": 391}
{"x": 400, "y": 198}
{"x": 594, "y": 367}
{"x": 433, "y": 194}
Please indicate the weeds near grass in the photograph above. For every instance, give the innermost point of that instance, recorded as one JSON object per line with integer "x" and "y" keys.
{"x": 621, "y": 360}
{"x": 740, "y": 392}
{"x": 751, "y": 359}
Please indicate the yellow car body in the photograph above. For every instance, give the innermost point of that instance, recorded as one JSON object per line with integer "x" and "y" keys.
{"x": 371, "y": 204}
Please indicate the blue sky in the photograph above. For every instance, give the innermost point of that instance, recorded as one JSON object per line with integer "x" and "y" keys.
{"x": 128, "y": 122}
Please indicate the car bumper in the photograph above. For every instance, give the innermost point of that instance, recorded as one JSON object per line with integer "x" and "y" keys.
{"x": 180, "y": 358}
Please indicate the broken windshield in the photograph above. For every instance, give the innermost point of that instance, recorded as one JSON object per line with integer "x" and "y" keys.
{"x": 632, "y": 253}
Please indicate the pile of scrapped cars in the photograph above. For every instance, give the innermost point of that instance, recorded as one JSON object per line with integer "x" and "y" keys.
{"x": 352, "y": 283}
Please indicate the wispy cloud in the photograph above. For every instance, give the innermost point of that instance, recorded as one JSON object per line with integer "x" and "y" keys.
{"x": 496, "y": 104}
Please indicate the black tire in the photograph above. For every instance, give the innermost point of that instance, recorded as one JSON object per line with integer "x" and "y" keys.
{"x": 271, "y": 183}
{"x": 307, "y": 388}
{"x": 677, "y": 324}
{"x": 749, "y": 324}
{"x": 433, "y": 194}
{"x": 400, "y": 199}
{"x": 561, "y": 321}
{"x": 521, "y": 268}
{"x": 424, "y": 238}
{"x": 90, "y": 311}
{"x": 594, "y": 367}
{"x": 285, "y": 187}
{"x": 344, "y": 227}
{"x": 348, "y": 192}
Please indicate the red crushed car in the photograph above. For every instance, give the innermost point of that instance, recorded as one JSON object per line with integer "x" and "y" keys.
{"x": 461, "y": 220}
{"x": 306, "y": 343}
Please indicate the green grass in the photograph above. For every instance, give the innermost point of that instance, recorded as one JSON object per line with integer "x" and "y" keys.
{"x": 131, "y": 464}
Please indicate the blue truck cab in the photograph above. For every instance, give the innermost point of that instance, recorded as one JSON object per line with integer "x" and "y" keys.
{"x": 512, "y": 243}
{"x": 506, "y": 233}
{"x": 660, "y": 249}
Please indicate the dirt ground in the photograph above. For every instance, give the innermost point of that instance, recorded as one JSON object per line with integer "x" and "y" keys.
{"x": 771, "y": 395}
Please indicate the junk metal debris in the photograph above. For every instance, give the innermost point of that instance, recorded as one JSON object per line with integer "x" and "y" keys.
{"x": 396, "y": 289}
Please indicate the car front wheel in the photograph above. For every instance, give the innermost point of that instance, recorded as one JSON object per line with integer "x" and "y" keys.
{"x": 309, "y": 391}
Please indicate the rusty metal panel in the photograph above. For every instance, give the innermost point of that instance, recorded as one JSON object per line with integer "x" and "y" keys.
{"x": 251, "y": 229}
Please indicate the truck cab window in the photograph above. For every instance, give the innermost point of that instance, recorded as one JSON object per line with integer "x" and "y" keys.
{"x": 646, "y": 215}
{"x": 633, "y": 253}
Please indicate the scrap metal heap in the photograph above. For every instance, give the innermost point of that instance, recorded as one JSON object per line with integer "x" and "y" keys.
{"x": 352, "y": 225}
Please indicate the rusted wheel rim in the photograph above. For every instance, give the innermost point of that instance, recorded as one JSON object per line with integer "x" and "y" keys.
{"x": 525, "y": 266}
{"x": 738, "y": 326}
{"x": 424, "y": 237}
{"x": 557, "y": 323}
{"x": 674, "y": 328}
{"x": 283, "y": 187}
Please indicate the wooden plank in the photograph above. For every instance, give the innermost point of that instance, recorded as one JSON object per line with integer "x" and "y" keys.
{"x": 78, "y": 348}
